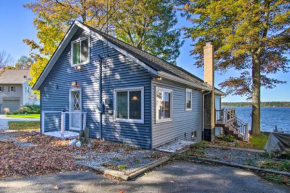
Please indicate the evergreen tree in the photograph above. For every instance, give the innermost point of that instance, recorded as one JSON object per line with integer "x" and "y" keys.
{"x": 248, "y": 35}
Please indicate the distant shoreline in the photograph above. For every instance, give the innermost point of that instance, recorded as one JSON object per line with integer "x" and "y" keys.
{"x": 263, "y": 104}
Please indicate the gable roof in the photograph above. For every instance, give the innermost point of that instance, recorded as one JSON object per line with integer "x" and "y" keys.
{"x": 14, "y": 76}
{"x": 152, "y": 63}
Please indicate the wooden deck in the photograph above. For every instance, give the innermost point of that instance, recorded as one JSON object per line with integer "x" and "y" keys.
{"x": 67, "y": 134}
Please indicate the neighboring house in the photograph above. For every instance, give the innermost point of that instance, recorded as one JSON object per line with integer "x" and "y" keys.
{"x": 120, "y": 93}
{"x": 15, "y": 90}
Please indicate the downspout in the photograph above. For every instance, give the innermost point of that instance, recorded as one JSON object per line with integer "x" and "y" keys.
{"x": 100, "y": 105}
{"x": 205, "y": 93}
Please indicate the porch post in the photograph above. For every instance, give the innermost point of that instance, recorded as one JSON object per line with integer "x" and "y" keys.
{"x": 247, "y": 132}
{"x": 84, "y": 121}
{"x": 62, "y": 127}
{"x": 42, "y": 122}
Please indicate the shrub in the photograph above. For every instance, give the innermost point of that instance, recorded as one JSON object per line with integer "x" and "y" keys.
{"x": 6, "y": 111}
{"x": 28, "y": 109}
{"x": 229, "y": 138}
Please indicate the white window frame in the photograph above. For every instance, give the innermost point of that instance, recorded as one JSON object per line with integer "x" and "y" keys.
{"x": 188, "y": 90}
{"x": 128, "y": 120}
{"x": 11, "y": 90}
{"x": 171, "y": 105}
{"x": 89, "y": 50}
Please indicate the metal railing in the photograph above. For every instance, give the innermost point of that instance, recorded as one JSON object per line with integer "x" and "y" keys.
{"x": 62, "y": 116}
{"x": 229, "y": 118}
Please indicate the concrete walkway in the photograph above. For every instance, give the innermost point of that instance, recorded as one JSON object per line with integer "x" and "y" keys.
{"x": 4, "y": 121}
{"x": 175, "y": 177}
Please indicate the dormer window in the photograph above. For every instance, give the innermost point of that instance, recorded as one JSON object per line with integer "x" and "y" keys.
{"x": 80, "y": 51}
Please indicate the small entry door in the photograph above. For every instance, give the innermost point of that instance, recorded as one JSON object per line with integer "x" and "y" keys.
{"x": 75, "y": 109}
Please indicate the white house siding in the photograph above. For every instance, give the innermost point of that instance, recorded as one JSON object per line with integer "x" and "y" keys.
{"x": 11, "y": 95}
{"x": 182, "y": 121}
{"x": 28, "y": 97}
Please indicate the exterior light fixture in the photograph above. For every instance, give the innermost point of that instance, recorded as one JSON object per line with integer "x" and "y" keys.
{"x": 79, "y": 67}
{"x": 158, "y": 78}
{"x": 135, "y": 98}
{"x": 75, "y": 83}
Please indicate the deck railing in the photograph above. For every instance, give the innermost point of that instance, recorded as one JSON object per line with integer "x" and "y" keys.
{"x": 59, "y": 120}
{"x": 230, "y": 119}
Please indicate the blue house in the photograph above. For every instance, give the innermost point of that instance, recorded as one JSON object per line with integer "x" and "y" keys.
{"x": 120, "y": 93}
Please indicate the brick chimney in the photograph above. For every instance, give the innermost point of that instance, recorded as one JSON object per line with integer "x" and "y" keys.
{"x": 209, "y": 99}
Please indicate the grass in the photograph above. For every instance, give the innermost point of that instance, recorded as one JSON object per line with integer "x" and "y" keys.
{"x": 24, "y": 116}
{"x": 255, "y": 142}
{"x": 276, "y": 165}
{"x": 258, "y": 141}
{"x": 280, "y": 179}
{"x": 24, "y": 125}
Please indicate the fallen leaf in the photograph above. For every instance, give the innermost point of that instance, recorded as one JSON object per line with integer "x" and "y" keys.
{"x": 55, "y": 188}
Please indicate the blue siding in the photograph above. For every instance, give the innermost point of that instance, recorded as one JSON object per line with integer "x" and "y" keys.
{"x": 118, "y": 72}
{"x": 182, "y": 121}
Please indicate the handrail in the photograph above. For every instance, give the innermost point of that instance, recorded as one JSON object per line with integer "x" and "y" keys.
{"x": 229, "y": 118}
{"x": 83, "y": 116}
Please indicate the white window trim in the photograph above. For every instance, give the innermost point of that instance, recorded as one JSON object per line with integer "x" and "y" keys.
{"x": 171, "y": 105}
{"x": 11, "y": 90}
{"x": 142, "y": 105}
{"x": 89, "y": 50}
{"x": 188, "y": 90}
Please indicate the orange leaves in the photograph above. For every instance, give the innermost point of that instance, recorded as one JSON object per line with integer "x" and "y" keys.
{"x": 50, "y": 155}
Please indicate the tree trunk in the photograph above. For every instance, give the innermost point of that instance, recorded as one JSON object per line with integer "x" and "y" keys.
{"x": 256, "y": 92}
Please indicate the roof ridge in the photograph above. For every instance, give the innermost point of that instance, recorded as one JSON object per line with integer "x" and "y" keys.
{"x": 162, "y": 60}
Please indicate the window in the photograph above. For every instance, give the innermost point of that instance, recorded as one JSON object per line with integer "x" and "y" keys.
{"x": 80, "y": 51}
{"x": 11, "y": 88}
{"x": 1, "y": 89}
{"x": 129, "y": 105}
{"x": 188, "y": 99}
{"x": 163, "y": 105}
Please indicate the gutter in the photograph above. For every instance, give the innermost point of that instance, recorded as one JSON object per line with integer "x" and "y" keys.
{"x": 181, "y": 80}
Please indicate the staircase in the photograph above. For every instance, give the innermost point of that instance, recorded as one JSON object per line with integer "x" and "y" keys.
{"x": 231, "y": 124}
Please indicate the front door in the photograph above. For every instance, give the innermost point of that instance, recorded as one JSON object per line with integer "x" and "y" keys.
{"x": 75, "y": 109}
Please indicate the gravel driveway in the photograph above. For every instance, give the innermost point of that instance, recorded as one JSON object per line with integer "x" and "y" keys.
{"x": 4, "y": 121}
{"x": 175, "y": 177}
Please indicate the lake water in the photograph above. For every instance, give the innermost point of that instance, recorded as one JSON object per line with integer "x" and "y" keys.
{"x": 270, "y": 116}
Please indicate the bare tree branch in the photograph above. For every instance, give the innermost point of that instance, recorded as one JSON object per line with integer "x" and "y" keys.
{"x": 5, "y": 59}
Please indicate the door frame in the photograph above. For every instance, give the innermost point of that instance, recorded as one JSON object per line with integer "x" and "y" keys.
{"x": 71, "y": 109}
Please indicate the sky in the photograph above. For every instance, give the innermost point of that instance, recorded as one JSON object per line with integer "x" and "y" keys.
{"x": 17, "y": 24}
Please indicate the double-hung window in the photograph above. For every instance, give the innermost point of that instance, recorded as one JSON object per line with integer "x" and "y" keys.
{"x": 11, "y": 88}
{"x": 163, "y": 105}
{"x": 80, "y": 51}
{"x": 129, "y": 105}
{"x": 188, "y": 99}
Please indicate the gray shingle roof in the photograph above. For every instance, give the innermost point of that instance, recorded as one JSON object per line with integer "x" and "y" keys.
{"x": 14, "y": 76}
{"x": 150, "y": 60}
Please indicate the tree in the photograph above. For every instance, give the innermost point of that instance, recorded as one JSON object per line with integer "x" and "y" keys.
{"x": 24, "y": 62}
{"x": 53, "y": 18}
{"x": 248, "y": 35}
{"x": 6, "y": 68}
{"x": 143, "y": 23}
{"x": 5, "y": 59}
{"x": 148, "y": 25}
